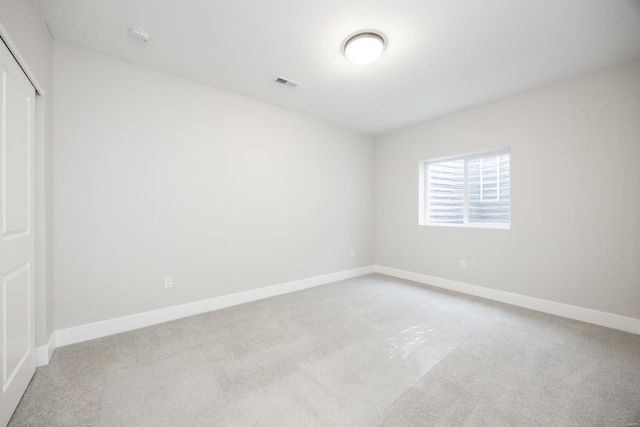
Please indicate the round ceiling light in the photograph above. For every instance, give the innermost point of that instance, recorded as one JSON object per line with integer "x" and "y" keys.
{"x": 364, "y": 48}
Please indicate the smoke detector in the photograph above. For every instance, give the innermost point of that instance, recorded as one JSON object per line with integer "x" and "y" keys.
{"x": 139, "y": 34}
{"x": 287, "y": 82}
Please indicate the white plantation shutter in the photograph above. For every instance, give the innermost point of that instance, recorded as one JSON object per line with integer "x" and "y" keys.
{"x": 468, "y": 190}
{"x": 446, "y": 192}
{"x": 489, "y": 190}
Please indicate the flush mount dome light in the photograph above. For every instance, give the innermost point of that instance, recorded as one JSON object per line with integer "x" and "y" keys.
{"x": 364, "y": 47}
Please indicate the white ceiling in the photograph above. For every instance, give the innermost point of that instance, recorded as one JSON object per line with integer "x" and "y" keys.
{"x": 442, "y": 55}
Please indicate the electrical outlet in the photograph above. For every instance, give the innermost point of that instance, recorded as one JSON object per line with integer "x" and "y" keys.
{"x": 352, "y": 253}
{"x": 463, "y": 264}
{"x": 168, "y": 282}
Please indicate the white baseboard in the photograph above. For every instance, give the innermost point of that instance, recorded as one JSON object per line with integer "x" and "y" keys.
{"x": 141, "y": 320}
{"x": 601, "y": 318}
{"x": 44, "y": 353}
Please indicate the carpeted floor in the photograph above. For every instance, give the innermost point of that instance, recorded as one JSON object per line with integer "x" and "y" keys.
{"x": 367, "y": 351}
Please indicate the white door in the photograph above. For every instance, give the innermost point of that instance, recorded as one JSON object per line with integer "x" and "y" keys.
{"x": 17, "y": 242}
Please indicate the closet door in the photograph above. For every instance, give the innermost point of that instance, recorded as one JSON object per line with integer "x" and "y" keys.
{"x": 17, "y": 242}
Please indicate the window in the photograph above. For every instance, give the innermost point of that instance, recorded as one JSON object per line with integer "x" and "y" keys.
{"x": 472, "y": 190}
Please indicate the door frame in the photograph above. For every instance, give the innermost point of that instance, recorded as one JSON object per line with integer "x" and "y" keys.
{"x": 44, "y": 344}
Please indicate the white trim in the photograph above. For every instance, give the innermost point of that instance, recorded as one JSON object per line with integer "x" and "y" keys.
{"x": 44, "y": 353}
{"x": 127, "y": 323}
{"x": 4, "y": 35}
{"x": 601, "y": 318}
{"x": 488, "y": 225}
{"x": 40, "y": 223}
{"x": 470, "y": 156}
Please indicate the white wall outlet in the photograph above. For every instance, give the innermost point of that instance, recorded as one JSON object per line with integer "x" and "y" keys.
{"x": 352, "y": 253}
{"x": 168, "y": 282}
{"x": 463, "y": 264}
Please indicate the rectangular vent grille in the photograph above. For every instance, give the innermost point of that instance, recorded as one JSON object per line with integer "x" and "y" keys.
{"x": 286, "y": 82}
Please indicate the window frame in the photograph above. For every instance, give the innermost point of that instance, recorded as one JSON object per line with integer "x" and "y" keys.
{"x": 424, "y": 188}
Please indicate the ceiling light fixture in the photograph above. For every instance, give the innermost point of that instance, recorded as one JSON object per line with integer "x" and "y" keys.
{"x": 364, "y": 47}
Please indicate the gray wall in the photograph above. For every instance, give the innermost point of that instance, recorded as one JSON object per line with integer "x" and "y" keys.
{"x": 151, "y": 166}
{"x": 26, "y": 28}
{"x": 575, "y": 162}
{"x": 158, "y": 176}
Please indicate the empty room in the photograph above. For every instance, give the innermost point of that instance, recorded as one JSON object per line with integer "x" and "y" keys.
{"x": 330, "y": 213}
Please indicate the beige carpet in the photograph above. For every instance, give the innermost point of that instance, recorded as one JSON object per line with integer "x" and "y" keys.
{"x": 367, "y": 351}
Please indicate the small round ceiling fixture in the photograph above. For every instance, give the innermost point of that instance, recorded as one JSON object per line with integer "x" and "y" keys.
{"x": 364, "y": 47}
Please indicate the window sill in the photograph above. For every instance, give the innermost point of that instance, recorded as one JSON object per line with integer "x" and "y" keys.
{"x": 473, "y": 225}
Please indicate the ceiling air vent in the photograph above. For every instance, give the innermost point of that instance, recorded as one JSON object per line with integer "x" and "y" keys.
{"x": 286, "y": 82}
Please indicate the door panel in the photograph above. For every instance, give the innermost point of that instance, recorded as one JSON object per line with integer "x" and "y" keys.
{"x": 15, "y": 290}
{"x": 17, "y": 242}
{"x": 16, "y": 194}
